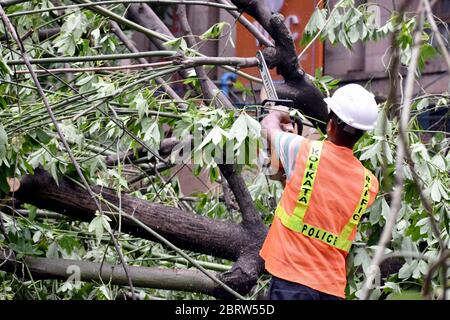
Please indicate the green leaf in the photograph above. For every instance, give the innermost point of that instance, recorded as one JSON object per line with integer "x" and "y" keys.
{"x": 239, "y": 129}
{"x": 71, "y": 133}
{"x": 407, "y": 269}
{"x": 95, "y": 35}
{"x": 385, "y": 209}
{"x": 52, "y": 251}
{"x": 371, "y": 151}
{"x": 353, "y": 34}
{"x": 422, "y": 104}
{"x": 4, "y": 68}
{"x": 427, "y": 52}
{"x": 405, "y": 295}
{"x": 152, "y": 133}
{"x": 435, "y": 191}
{"x": 442, "y": 102}
{"x": 176, "y": 44}
{"x": 214, "y": 136}
{"x": 443, "y": 191}
{"x": 84, "y": 80}
{"x": 375, "y": 212}
{"x": 94, "y": 127}
{"x": 214, "y": 32}
{"x": 3, "y": 142}
{"x": 439, "y": 162}
{"x": 67, "y": 243}
{"x": 140, "y": 104}
{"x": 32, "y": 211}
{"x": 314, "y": 25}
{"x": 54, "y": 171}
{"x": 97, "y": 226}
{"x": 37, "y": 236}
{"x": 254, "y": 127}
{"x": 214, "y": 174}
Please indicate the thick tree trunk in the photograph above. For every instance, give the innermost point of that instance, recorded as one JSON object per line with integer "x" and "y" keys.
{"x": 185, "y": 229}
{"x": 222, "y": 239}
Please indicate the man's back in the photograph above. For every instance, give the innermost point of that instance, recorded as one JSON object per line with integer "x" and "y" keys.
{"x": 336, "y": 193}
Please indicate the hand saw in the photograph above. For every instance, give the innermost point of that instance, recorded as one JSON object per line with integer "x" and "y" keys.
{"x": 272, "y": 96}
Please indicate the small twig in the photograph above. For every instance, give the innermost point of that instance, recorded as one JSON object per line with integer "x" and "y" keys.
{"x": 401, "y": 149}
{"x": 100, "y": 57}
{"x": 238, "y": 62}
{"x": 100, "y": 69}
{"x": 434, "y": 28}
{"x": 441, "y": 261}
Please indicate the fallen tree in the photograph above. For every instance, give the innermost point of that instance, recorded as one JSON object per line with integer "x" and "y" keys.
{"x": 122, "y": 128}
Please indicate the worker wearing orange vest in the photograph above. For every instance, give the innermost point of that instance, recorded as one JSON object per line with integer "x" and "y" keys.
{"x": 327, "y": 191}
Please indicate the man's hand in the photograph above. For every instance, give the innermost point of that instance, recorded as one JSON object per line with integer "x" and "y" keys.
{"x": 277, "y": 120}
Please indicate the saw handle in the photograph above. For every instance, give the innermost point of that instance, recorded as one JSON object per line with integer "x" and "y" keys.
{"x": 295, "y": 120}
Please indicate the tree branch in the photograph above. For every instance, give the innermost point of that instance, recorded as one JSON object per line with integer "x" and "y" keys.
{"x": 180, "y": 228}
{"x": 197, "y": 233}
{"x": 250, "y": 27}
{"x": 237, "y": 62}
{"x": 159, "y": 53}
{"x": 401, "y": 149}
{"x": 250, "y": 216}
{"x": 146, "y": 277}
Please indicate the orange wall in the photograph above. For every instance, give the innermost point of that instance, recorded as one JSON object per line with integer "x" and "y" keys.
{"x": 297, "y": 14}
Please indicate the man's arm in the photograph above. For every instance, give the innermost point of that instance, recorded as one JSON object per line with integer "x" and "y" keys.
{"x": 275, "y": 122}
{"x": 283, "y": 145}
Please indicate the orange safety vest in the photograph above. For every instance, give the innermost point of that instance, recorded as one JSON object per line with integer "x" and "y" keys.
{"x": 316, "y": 219}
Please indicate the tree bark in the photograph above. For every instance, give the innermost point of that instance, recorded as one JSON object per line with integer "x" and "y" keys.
{"x": 146, "y": 277}
{"x": 186, "y": 230}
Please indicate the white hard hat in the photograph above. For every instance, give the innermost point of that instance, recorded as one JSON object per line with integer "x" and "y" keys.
{"x": 355, "y": 106}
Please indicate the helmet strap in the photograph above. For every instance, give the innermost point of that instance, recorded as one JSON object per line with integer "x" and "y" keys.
{"x": 346, "y": 128}
{"x": 349, "y": 129}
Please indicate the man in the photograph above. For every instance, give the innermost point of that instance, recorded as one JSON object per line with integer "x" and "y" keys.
{"x": 327, "y": 191}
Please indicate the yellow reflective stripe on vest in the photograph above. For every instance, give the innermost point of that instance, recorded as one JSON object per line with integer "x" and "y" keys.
{"x": 311, "y": 165}
{"x": 343, "y": 242}
{"x": 295, "y": 224}
{"x": 295, "y": 221}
